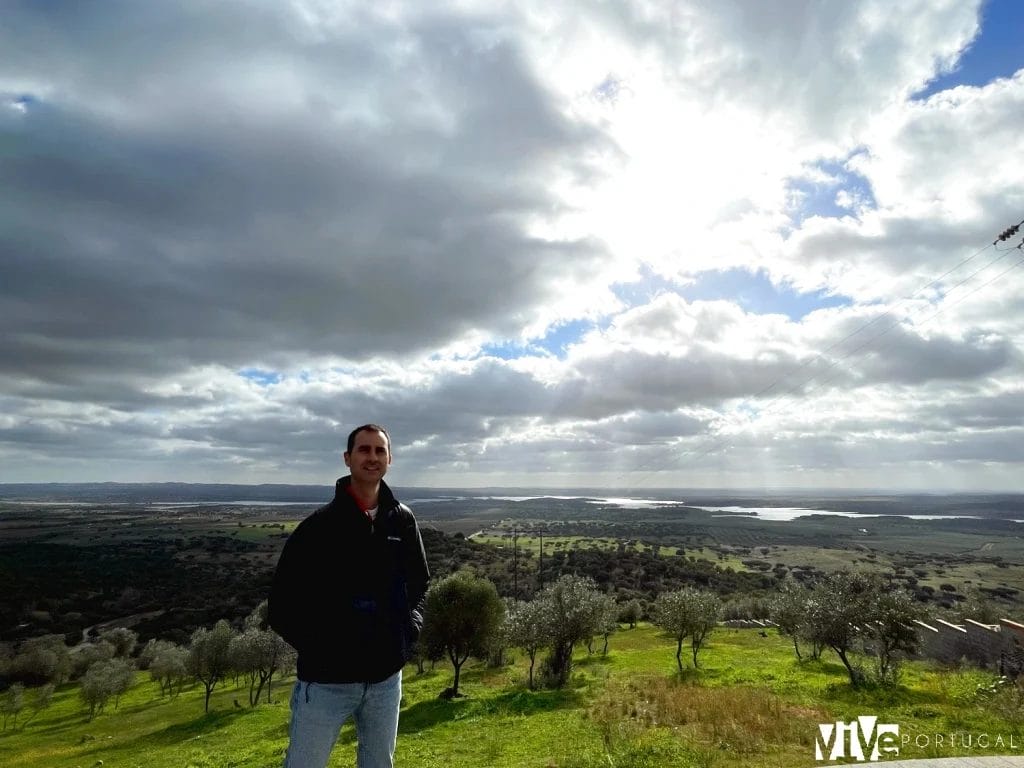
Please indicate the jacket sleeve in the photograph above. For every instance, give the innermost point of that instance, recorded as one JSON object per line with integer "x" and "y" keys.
{"x": 417, "y": 573}
{"x": 284, "y": 607}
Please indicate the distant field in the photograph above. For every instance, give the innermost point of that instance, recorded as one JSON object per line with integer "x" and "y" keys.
{"x": 936, "y": 568}
{"x": 91, "y": 563}
{"x": 551, "y": 543}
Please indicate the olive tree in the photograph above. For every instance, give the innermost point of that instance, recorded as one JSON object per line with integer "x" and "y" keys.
{"x": 12, "y": 701}
{"x": 847, "y": 611}
{"x": 38, "y": 699}
{"x": 891, "y": 632}
{"x": 168, "y": 666}
{"x": 788, "y": 610}
{"x": 608, "y": 621}
{"x": 103, "y": 680}
{"x": 463, "y": 613}
{"x": 259, "y": 654}
{"x": 88, "y": 654}
{"x": 837, "y": 608}
{"x": 686, "y": 613}
{"x": 18, "y": 698}
{"x": 630, "y": 613}
{"x": 574, "y": 608}
{"x": 273, "y": 655}
{"x": 122, "y": 639}
{"x": 41, "y": 660}
{"x": 529, "y": 629}
{"x": 209, "y": 660}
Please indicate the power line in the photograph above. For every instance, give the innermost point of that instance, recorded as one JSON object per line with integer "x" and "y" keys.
{"x": 949, "y": 306}
{"x": 897, "y": 321}
{"x": 871, "y": 322}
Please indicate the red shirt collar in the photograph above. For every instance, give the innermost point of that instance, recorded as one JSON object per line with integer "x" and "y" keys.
{"x": 363, "y": 506}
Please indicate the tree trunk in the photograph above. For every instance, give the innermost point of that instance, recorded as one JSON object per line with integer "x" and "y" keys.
{"x": 455, "y": 685}
{"x": 561, "y": 662}
{"x": 254, "y": 700}
{"x": 453, "y": 656}
{"x": 679, "y": 654}
{"x": 854, "y": 677}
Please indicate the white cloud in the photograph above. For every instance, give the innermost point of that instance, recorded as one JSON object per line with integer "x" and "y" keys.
{"x": 244, "y": 228}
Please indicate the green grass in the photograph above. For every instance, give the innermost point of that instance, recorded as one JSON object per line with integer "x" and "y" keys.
{"x": 750, "y": 703}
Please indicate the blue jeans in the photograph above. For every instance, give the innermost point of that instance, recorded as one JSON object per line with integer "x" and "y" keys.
{"x": 320, "y": 709}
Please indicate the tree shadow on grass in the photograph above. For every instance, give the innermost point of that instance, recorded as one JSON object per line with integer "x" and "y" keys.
{"x": 593, "y": 660}
{"x": 206, "y": 723}
{"x": 69, "y": 723}
{"x": 828, "y": 667}
{"x": 872, "y": 694}
{"x": 522, "y": 701}
{"x": 426, "y": 714}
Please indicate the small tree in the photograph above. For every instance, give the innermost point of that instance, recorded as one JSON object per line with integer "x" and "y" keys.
{"x": 608, "y": 622}
{"x": 574, "y": 609}
{"x": 105, "y": 680}
{"x": 788, "y": 610}
{"x": 12, "y": 701}
{"x": 630, "y": 613}
{"x": 88, "y": 654}
{"x": 121, "y": 673}
{"x": 706, "y": 610}
{"x": 890, "y": 631}
{"x": 38, "y": 699}
{"x": 150, "y": 650}
{"x": 463, "y": 613}
{"x": 169, "y": 667}
{"x": 836, "y": 610}
{"x": 501, "y": 640}
{"x": 271, "y": 654}
{"x": 242, "y": 652}
{"x": 258, "y": 654}
{"x": 529, "y": 628}
{"x": 417, "y": 657}
{"x": 687, "y": 613}
{"x": 122, "y": 639}
{"x": 41, "y": 660}
{"x": 209, "y": 659}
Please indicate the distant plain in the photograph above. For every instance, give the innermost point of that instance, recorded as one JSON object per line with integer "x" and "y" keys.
{"x": 169, "y": 557}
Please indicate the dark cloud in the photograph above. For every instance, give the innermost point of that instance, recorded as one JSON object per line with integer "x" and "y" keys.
{"x": 167, "y": 217}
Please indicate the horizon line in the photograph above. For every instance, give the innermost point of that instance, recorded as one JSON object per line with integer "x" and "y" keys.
{"x": 651, "y": 488}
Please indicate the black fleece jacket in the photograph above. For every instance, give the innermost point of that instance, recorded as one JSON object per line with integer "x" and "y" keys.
{"x": 349, "y": 594}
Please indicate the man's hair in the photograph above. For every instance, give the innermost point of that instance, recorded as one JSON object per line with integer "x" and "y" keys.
{"x": 367, "y": 428}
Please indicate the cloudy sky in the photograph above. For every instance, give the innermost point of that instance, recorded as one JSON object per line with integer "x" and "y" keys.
{"x": 741, "y": 243}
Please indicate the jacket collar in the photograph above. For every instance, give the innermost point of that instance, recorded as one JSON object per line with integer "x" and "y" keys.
{"x": 385, "y": 498}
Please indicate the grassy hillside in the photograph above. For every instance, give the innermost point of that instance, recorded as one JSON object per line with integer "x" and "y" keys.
{"x": 751, "y": 704}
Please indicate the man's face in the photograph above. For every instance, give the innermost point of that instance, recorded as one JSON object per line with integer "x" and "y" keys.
{"x": 370, "y": 457}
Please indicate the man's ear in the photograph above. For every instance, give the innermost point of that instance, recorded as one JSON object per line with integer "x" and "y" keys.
{"x": 346, "y": 456}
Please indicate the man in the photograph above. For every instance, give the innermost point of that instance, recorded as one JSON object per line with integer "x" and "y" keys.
{"x": 348, "y": 595}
